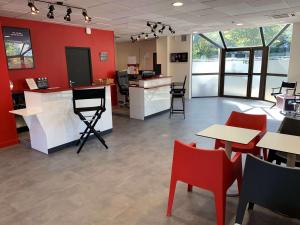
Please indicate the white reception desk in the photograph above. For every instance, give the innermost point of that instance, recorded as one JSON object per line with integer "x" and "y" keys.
{"x": 149, "y": 97}
{"x": 51, "y": 121}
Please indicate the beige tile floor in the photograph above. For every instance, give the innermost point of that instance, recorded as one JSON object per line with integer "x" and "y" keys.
{"x": 126, "y": 185}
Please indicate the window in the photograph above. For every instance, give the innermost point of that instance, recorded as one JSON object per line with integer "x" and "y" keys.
{"x": 244, "y": 37}
{"x": 205, "y": 67}
{"x": 270, "y": 32}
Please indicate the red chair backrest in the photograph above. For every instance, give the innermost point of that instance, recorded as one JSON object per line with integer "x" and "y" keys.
{"x": 199, "y": 167}
{"x": 250, "y": 121}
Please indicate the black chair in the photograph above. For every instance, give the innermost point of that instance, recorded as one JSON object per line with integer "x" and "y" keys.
{"x": 270, "y": 186}
{"x": 85, "y": 94}
{"x": 288, "y": 126}
{"x": 177, "y": 91}
{"x": 123, "y": 85}
{"x": 288, "y": 86}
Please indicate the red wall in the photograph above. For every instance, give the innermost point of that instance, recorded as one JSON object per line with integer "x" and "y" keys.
{"x": 48, "y": 43}
{"x": 8, "y": 133}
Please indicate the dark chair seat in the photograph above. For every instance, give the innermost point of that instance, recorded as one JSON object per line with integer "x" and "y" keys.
{"x": 277, "y": 93}
{"x": 270, "y": 186}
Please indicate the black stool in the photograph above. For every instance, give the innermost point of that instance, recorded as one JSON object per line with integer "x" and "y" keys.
{"x": 177, "y": 91}
{"x": 85, "y": 94}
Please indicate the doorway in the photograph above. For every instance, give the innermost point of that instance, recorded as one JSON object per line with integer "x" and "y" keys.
{"x": 79, "y": 66}
{"x": 242, "y": 72}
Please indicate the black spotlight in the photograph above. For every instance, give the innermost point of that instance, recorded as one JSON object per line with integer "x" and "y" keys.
{"x": 50, "y": 14}
{"x": 132, "y": 39}
{"x": 155, "y": 26}
{"x": 148, "y": 24}
{"x": 33, "y": 8}
{"x": 86, "y": 17}
{"x": 161, "y": 30}
{"x": 155, "y": 35}
{"x": 171, "y": 30}
{"x": 146, "y": 36}
{"x": 68, "y": 15}
{"x": 138, "y": 37}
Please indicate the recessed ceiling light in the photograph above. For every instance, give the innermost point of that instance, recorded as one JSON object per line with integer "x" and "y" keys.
{"x": 176, "y": 4}
{"x": 195, "y": 32}
{"x": 239, "y": 24}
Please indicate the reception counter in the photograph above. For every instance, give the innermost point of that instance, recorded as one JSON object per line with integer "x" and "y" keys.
{"x": 149, "y": 97}
{"x": 51, "y": 121}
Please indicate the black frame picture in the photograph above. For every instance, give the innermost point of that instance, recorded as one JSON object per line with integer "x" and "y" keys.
{"x": 18, "y": 48}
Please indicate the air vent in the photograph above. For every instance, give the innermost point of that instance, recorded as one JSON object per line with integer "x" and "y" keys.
{"x": 282, "y": 16}
{"x": 183, "y": 38}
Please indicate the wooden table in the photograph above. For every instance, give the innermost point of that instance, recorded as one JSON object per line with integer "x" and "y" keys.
{"x": 284, "y": 143}
{"x": 229, "y": 134}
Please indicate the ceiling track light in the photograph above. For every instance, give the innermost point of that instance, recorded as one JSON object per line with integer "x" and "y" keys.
{"x": 85, "y": 16}
{"x": 50, "y": 14}
{"x": 162, "y": 26}
{"x": 68, "y": 15}
{"x": 34, "y": 10}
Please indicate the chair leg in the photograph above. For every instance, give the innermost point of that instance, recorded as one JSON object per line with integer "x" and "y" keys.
{"x": 220, "y": 202}
{"x": 239, "y": 181}
{"x": 183, "y": 106}
{"x": 171, "y": 196}
{"x": 190, "y": 188}
{"x": 171, "y": 107}
{"x": 84, "y": 140}
{"x": 241, "y": 211}
{"x": 265, "y": 153}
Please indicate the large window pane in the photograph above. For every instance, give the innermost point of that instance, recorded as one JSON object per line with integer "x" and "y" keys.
{"x": 237, "y": 62}
{"x": 271, "y": 31}
{"x": 257, "y": 61}
{"x": 279, "y": 53}
{"x": 205, "y": 85}
{"x": 205, "y": 56}
{"x": 215, "y": 37}
{"x": 273, "y": 82}
{"x": 255, "y": 86}
{"x": 244, "y": 37}
{"x": 236, "y": 85}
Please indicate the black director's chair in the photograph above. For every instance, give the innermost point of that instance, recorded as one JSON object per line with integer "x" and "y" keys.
{"x": 85, "y": 94}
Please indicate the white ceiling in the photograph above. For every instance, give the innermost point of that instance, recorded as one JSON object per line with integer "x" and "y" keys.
{"x": 127, "y": 17}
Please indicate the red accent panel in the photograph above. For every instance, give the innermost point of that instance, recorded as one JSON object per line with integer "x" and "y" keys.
{"x": 49, "y": 41}
{"x": 8, "y": 132}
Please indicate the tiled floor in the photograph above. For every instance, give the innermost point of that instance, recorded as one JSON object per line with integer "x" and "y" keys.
{"x": 128, "y": 184}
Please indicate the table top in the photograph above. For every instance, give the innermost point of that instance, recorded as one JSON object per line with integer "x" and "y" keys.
{"x": 229, "y": 133}
{"x": 280, "y": 142}
{"x": 27, "y": 111}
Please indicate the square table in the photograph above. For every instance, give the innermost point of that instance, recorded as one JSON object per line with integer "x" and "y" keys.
{"x": 284, "y": 143}
{"x": 229, "y": 134}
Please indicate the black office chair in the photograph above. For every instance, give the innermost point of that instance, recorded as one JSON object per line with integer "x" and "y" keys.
{"x": 177, "y": 91}
{"x": 123, "y": 85}
{"x": 85, "y": 94}
{"x": 288, "y": 126}
{"x": 270, "y": 186}
{"x": 288, "y": 86}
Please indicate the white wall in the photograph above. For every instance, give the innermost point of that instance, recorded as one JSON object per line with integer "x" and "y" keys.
{"x": 294, "y": 66}
{"x": 142, "y": 50}
{"x": 178, "y": 70}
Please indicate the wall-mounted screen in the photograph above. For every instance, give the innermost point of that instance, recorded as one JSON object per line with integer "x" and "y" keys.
{"x": 18, "y": 48}
{"x": 179, "y": 57}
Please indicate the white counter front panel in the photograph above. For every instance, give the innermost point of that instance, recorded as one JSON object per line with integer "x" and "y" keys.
{"x": 57, "y": 124}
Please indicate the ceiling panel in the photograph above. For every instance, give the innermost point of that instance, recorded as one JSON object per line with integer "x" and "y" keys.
{"x": 127, "y": 17}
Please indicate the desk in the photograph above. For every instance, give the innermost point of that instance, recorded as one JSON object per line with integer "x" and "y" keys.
{"x": 51, "y": 121}
{"x": 229, "y": 134}
{"x": 149, "y": 97}
{"x": 284, "y": 143}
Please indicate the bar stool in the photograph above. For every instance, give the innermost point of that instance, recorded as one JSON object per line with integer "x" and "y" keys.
{"x": 177, "y": 91}
{"x": 88, "y": 94}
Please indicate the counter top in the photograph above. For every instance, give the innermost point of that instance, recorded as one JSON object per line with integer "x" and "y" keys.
{"x": 152, "y": 87}
{"x": 59, "y": 89}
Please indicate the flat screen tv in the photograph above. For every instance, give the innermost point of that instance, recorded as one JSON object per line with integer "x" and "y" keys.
{"x": 179, "y": 57}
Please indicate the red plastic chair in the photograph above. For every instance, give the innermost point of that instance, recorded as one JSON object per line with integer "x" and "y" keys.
{"x": 207, "y": 169}
{"x": 249, "y": 121}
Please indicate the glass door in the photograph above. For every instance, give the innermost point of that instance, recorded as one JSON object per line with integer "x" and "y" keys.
{"x": 236, "y": 73}
{"x": 242, "y": 72}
